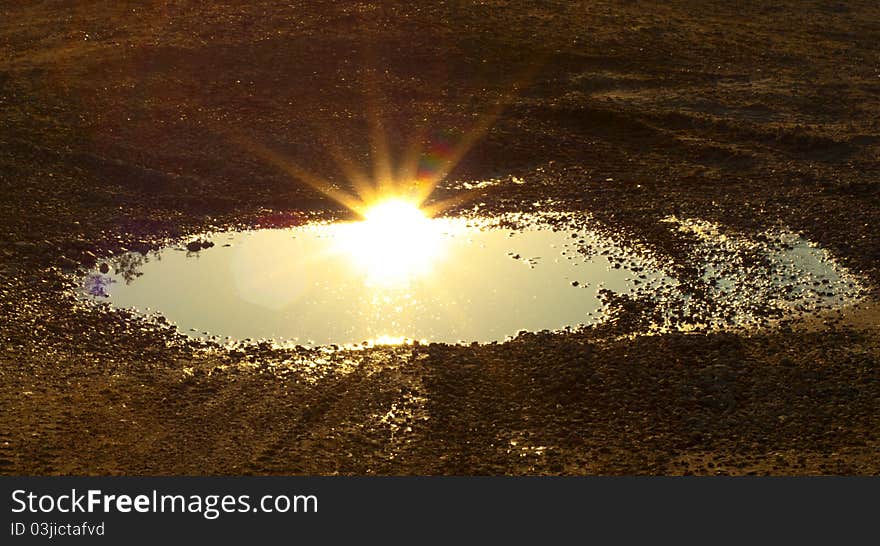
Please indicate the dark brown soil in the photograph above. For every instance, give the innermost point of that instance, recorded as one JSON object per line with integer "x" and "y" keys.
{"x": 122, "y": 126}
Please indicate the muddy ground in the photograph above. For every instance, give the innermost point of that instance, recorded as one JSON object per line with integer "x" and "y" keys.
{"x": 122, "y": 126}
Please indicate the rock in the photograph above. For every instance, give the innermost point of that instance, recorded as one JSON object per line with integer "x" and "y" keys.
{"x": 197, "y": 245}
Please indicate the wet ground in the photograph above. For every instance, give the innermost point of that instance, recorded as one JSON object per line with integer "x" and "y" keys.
{"x": 116, "y": 138}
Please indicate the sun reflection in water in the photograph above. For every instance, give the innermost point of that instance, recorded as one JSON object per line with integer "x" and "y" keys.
{"x": 395, "y": 244}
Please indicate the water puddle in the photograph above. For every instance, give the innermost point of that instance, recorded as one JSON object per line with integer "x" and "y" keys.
{"x": 744, "y": 281}
{"x": 454, "y": 280}
{"x": 448, "y": 280}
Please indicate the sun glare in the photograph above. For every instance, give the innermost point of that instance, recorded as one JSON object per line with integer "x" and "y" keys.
{"x": 394, "y": 213}
{"x": 394, "y": 244}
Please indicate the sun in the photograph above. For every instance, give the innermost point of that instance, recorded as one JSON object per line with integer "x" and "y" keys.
{"x": 395, "y": 244}
{"x": 394, "y": 213}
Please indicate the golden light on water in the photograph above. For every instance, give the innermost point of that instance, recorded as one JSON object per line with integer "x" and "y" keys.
{"x": 394, "y": 244}
{"x": 394, "y": 213}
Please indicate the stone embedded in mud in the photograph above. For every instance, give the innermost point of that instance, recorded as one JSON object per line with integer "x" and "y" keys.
{"x": 199, "y": 244}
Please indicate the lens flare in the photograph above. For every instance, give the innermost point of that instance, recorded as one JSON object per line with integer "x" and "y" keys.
{"x": 400, "y": 237}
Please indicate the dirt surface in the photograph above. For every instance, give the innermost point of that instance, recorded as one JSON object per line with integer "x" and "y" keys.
{"x": 122, "y": 127}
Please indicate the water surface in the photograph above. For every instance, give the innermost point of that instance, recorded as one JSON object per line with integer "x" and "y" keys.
{"x": 451, "y": 280}
{"x": 455, "y": 280}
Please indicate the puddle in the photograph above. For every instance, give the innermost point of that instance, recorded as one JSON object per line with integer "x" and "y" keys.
{"x": 447, "y": 280}
{"x": 456, "y": 280}
{"x": 746, "y": 281}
